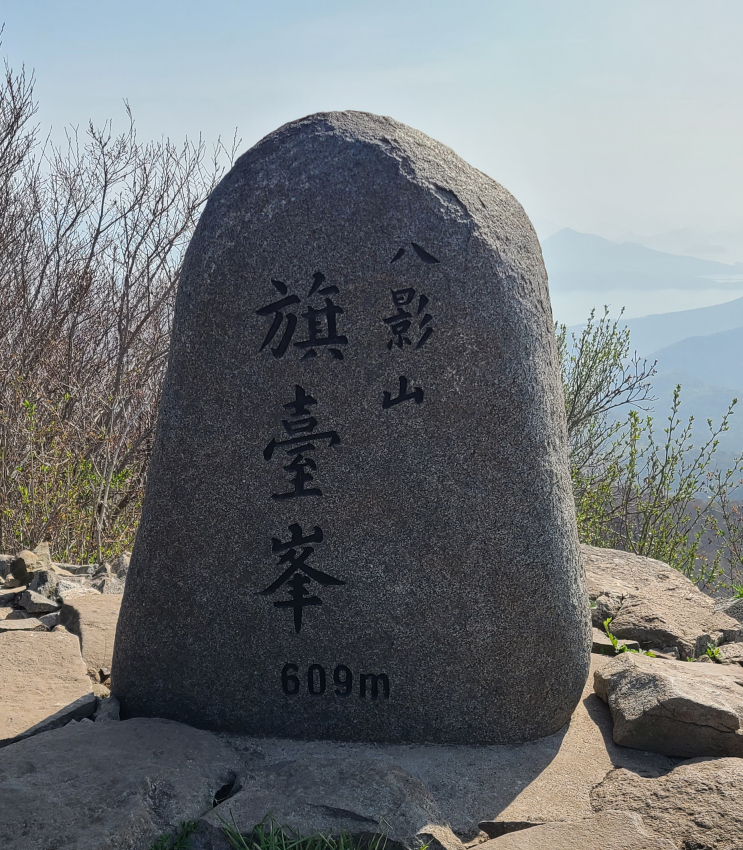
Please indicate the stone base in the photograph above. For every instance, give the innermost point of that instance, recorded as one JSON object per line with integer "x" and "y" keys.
{"x": 325, "y": 786}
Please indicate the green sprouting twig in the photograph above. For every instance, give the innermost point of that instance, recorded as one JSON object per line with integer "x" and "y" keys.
{"x": 623, "y": 648}
{"x": 714, "y": 653}
{"x": 614, "y": 641}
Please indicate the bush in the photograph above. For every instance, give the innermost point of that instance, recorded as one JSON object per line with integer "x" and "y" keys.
{"x": 658, "y": 496}
{"x": 92, "y": 236}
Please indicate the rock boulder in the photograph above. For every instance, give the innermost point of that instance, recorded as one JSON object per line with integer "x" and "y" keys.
{"x": 23, "y": 565}
{"x": 732, "y": 608}
{"x": 603, "y": 831}
{"x": 697, "y": 805}
{"x": 116, "y": 786}
{"x": 309, "y": 795}
{"x": 362, "y": 418}
{"x": 93, "y": 618}
{"x": 654, "y": 604}
{"x": 37, "y": 603}
{"x": 42, "y": 681}
{"x": 673, "y": 707}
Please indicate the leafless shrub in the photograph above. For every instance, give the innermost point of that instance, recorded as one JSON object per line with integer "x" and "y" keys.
{"x": 92, "y": 235}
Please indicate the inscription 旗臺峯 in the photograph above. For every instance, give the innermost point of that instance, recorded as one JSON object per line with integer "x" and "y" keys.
{"x": 410, "y": 326}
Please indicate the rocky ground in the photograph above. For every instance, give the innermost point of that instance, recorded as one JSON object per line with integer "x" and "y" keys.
{"x": 652, "y": 758}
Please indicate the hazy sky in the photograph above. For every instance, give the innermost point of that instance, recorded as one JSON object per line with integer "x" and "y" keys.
{"x": 603, "y": 116}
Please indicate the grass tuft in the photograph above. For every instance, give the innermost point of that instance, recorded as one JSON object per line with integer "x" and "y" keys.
{"x": 179, "y": 841}
{"x": 268, "y": 835}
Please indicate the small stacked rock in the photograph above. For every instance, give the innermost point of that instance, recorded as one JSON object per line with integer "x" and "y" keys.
{"x": 32, "y": 586}
{"x": 37, "y": 595}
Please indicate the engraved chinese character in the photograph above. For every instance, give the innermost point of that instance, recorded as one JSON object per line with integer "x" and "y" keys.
{"x": 322, "y": 321}
{"x": 421, "y": 253}
{"x": 298, "y": 574}
{"x": 416, "y": 395}
{"x": 299, "y": 443}
{"x": 401, "y": 322}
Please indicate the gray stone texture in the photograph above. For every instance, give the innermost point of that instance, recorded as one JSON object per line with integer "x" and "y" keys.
{"x": 730, "y": 653}
{"x": 108, "y": 786}
{"x": 697, "y": 805}
{"x": 9, "y": 596}
{"x": 603, "y": 645}
{"x": 78, "y": 569}
{"x": 674, "y": 707}
{"x": 105, "y": 580}
{"x": 69, "y": 589}
{"x": 108, "y": 710}
{"x": 50, "y": 620}
{"x": 732, "y": 607}
{"x": 326, "y": 782}
{"x": 44, "y": 556}
{"x": 310, "y": 795}
{"x": 445, "y": 519}
{"x": 120, "y": 565}
{"x": 44, "y": 583}
{"x": 21, "y": 624}
{"x": 76, "y": 711}
{"x": 5, "y": 562}
{"x": 654, "y": 604}
{"x": 21, "y": 568}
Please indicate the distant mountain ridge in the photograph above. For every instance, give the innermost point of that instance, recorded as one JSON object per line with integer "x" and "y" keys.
{"x": 652, "y": 333}
{"x": 701, "y": 349}
{"x": 714, "y": 358}
{"x": 582, "y": 261}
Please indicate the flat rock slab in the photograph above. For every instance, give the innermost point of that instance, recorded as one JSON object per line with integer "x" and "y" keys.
{"x": 697, "y": 806}
{"x": 41, "y": 676}
{"x": 93, "y": 618}
{"x": 310, "y": 795}
{"x": 673, "y": 707}
{"x": 37, "y": 603}
{"x": 603, "y": 831}
{"x": 654, "y": 603}
{"x": 731, "y": 653}
{"x": 8, "y": 596}
{"x": 108, "y": 786}
{"x": 27, "y": 624}
{"x": 546, "y": 780}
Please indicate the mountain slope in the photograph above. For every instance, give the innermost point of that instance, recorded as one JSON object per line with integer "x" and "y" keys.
{"x": 579, "y": 261}
{"x": 715, "y": 359}
{"x": 651, "y": 333}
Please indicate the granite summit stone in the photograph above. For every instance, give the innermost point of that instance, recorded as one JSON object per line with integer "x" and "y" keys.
{"x": 359, "y": 522}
